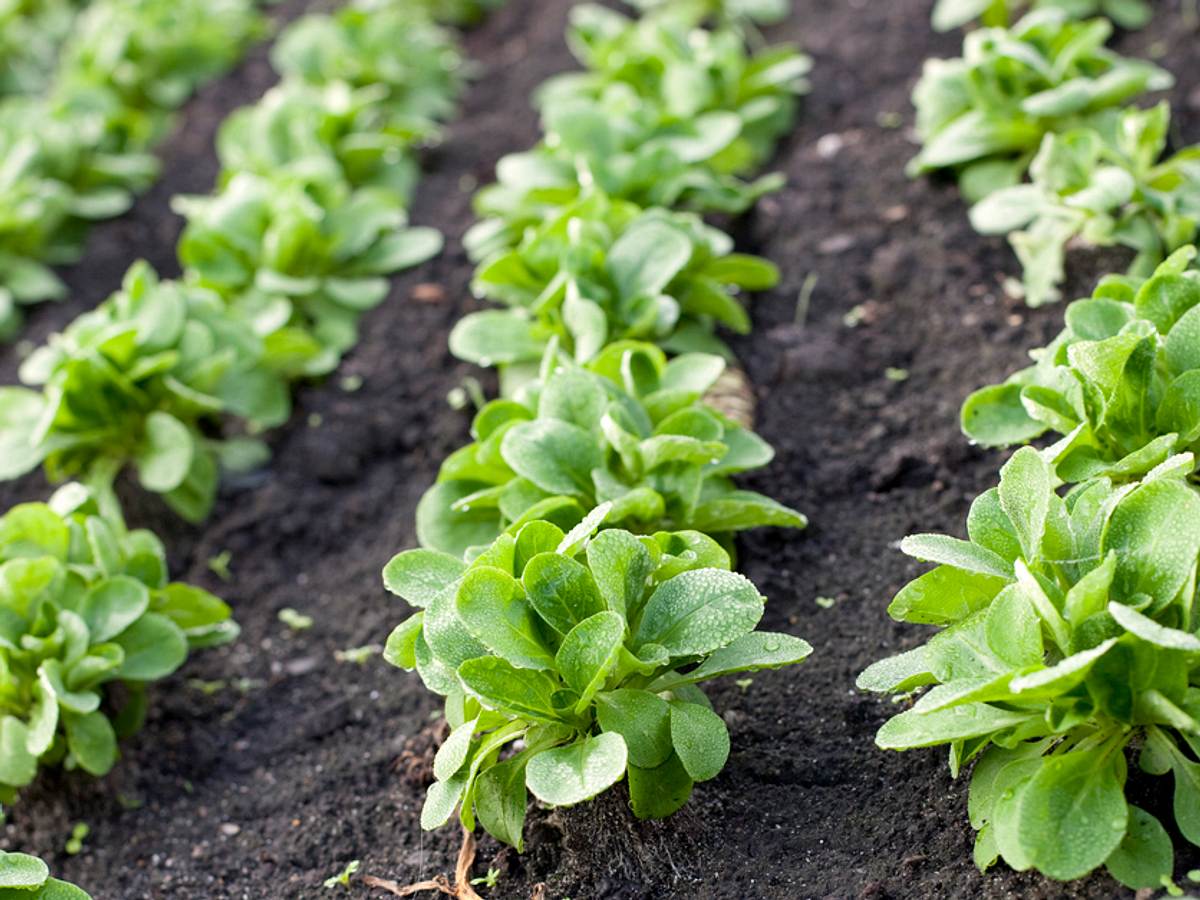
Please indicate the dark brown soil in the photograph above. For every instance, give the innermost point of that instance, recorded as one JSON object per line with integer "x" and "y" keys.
{"x": 264, "y": 788}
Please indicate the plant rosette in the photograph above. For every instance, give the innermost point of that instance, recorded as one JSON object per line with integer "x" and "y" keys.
{"x": 668, "y": 115}
{"x": 570, "y": 662}
{"x": 25, "y": 877}
{"x": 299, "y": 263}
{"x": 86, "y": 605}
{"x": 1120, "y": 384}
{"x": 985, "y": 113}
{"x": 630, "y": 429}
{"x": 141, "y": 380}
{"x": 1068, "y": 637}
{"x": 605, "y": 271}
{"x": 1101, "y": 186}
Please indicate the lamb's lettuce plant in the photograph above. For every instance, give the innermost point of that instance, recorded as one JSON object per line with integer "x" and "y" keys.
{"x": 984, "y": 114}
{"x": 126, "y": 66}
{"x": 1068, "y": 646}
{"x": 324, "y": 134}
{"x": 1106, "y": 185}
{"x": 25, "y": 877}
{"x": 87, "y": 605}
{"x": 629, "y": 429}
{"x": 666, "y": 114}
{"x": 949, "y": 14}
{"x": 571, "y": 661}
{"x": 605, "y": 270}
{"x": 730, "y": 12}
{"x": 1120, "y": 384}
{"x": 141, "y": 380}
{"x": 299, "y": 262}
{"x": 392, "y": 48}
{"x": 31, "y": 34}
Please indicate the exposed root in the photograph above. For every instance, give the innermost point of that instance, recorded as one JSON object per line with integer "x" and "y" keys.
{"x": 461, "y": 888}
{"x": 733, "y": 396}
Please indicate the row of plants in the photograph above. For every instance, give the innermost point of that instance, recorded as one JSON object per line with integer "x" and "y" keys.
{"x": 574, "y": 583}
{"x": 121, "y": 68}
{"x": 178, "y": 379}
{"x": 1068, "y": 642}
{"x": 1036, "y": 121}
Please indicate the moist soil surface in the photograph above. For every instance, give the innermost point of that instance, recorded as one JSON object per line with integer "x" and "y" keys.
{"x": 267, "y": 765}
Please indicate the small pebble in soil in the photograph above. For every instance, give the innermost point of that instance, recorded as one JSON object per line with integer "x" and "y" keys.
{"x": 428, "y": 292}
{"x": 229, "y": 829}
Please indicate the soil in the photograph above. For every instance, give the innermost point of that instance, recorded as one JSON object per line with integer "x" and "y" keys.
{"x": 267, "y": 765}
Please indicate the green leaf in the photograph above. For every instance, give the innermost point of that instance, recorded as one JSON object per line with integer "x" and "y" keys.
{"x": 17, "y": 766}
{"x": 22, "y": 871}
{"x": 749, "y": 653}
{"x": 1144, "y": 858}
{"x": 995, "y": 417}
{"x": 165, "y": 456}
{"x": 401, "y": 648}
{"x": 500, "y": 801}
{"x": 950, "y": 551}
{"x": 499, "y": 685}
{"x": 1025, "y": 488}
{"x": 561, "y": 590}
{"x": 661, "y": 791}
{"x": 568, "y": 775}
{"x": 944, "y": 596}
{"x": 697, "y": 612}
{"x": 496, "y": 337}
{"x": 700, "y": 738}
{"x": 441, "y": 527}
{"x": 1073, "y": 813}
{"x": 556, "y": 456}
{"x": 645, "y": 259}
{"x": 492, "y": 605}
{"x": 621, "y": 566}
{"x": 453, "y": 753}
{"x": 92, "y": 742}
{"x": 1155, "y": 531}
{"x": 642, "y": 718}
{"x": 917, "y": 729}
{"x": 154, "y": 648}
{"x": 589, "y": 653}
{"x": 441, "y": 800}
{"x": 113, "y": 605}
{"x": 420, "y": 575}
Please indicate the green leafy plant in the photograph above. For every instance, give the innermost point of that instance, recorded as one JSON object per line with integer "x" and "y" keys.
{"x": 300, "y": 263}
{"x": 1069, "y": 640}
{"x": 1102, "y": 187}
{"x": 667, "y": 114}
{"x": 125, "y": 67}
{"x": 87, "y": 605}
{"x": 948, "y": 14}
{"x": 28, "y": 878}
{"x": 604, "y": 271}
{"x": 629, "y": 429}
{"x": 761, "y": 12}
{"x": 392, "y": 48}
{"x": 587, "y": 650}
{"x": 31, "y": 34}
{"x": 142, "y": 380}
{"x": 1120, "y": 384}
{"x": 985, "y": 114}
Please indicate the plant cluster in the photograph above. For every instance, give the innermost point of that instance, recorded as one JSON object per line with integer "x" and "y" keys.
{"x": 1046, "y": 98}
{"x": 87, "y": 606}
{"x": 1120, "y": 384}
{"x": 603, "y": 271}
{"x": 588, "y": 650}
{"x": 573, "y": 586}
{"x": 31, "y": 34}
{"x": 665, "y": 113}
{"x": 1068, "y": 635}
{"x": 985, "y": 114}
{"x": 28, "y": 878}
{"x": 176, "y": 378}
{"x": 629, "y": 429}
{"x": 309, "y": 218}
{"x": 123, "y": 67}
